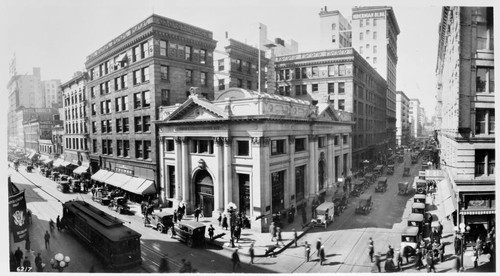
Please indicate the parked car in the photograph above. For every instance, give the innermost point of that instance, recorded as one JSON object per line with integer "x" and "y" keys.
{"x": 324, "y": 214}
{"x": 404, "y": 188}
{"x": 390, "y": 169}
{"x": 190, "y": 232}
{"x": 64, "y": 187}
{"x": 364, "y": 205}
{"x": 101, "y": 196}
{"x": 418, "y": 208}
{"x": 381, "y": 184}
{"x": 162, "y": 221}
{"x": 409, "y": 241}
{"x": 120, "y": 205}
{"x": 419, "y": 198}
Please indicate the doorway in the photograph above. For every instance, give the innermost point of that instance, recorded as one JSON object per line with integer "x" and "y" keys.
{"x": 204, "y": 192}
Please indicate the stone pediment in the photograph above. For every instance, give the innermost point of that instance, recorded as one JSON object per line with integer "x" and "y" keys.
{"x": 194, "y": 109}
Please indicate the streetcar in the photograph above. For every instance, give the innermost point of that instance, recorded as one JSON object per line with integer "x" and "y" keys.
{"x": 115, "y": 244}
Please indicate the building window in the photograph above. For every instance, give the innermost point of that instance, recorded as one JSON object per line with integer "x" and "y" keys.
{"x": 287, "y": 90}
{"x": 164, "y": 72}
{"x": 374, "y": 49}
{"x": 145, "y": 74}
{"x": 238, "y": 65}
{"x": 341, "y": 104}
{"x": 300, "y": 182}
{"x": 321, "y": 142}
{"x": 126, "y": 148}
{"x": 203, "y": 79}
{"x": 203, "y": 56}
{"x": 93, "y": 109}
{"x": 485, "y": 121}
{"x": 146, "y": 121}
{"x": 202, "y": 146}
{"x": 331, "y": 88}
{"x": 374, "y": 22}
{"x": 221, "y": 64}
{"x": 300, "y": 144}
{"x": 142, "y": 99}
{"x": 315, "y": 71}
{"x": 119, "y": 148}
{"x": 137, "y": 77}
{"x": 374, "y": 60}
{"x": 367, "y": 33}
{"x": 341, "y": 87}
{"x": 314, "y": 87}
{"x": 94, "y": 145}
{"x": 344, "y": 139}
{"x": 361, "y": 49}
{"x": 189, "y": 77}
{"x": 138, "y": 149}
{"x": 336, "y": 140}
{"x": 485, "y": 32}
{"x": 165, "y": 96}
{"x": 333, "y": 39}
{"x": 163, "y": 48}
{"x": 138, "y": 124}
{"x": 136, "y": 53}
{"x": 92, "y": 92}
{"x": 188, "y": 52}
{"x": 221, "y": 85}
{"x": 297, "y": 90}
{"x": 485, "y": 79}
{"x": 119, "y": 125}
{"x": 278, "y": 147}
{"x": 94, "y": 127}
{"x": 361, "y": 22}
{"x": 484, "y": 162}
{"x": 240, "y": 83}
{"x": 126, "y": 125}
{"x": 169, "y": 145}
{"x": 304, "y": 73}
{"x": 243, "y": 148}
{"x": 360, "y": 35}
{"x": 367, "y": 22}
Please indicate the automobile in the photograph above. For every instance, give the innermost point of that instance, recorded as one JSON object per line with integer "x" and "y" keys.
{"x": 365, "y": 204}
{"x": 101, "y": 196}
{"x": 381, "y": 184}
{"x": 340, "y": 202}
{"x": 406, "y": 171}
{"x": 357, "y": 187}
{"x": 403, "y": 188}
{"x": 190, "y": 232}
{"x": 424, "y": 165}
{"x": 162, "y": 221}
{"x": 421, "y": 175}
{"x": 400, "y": 158}
{"x": 324, "y": 214}
{"x": 370, "y": 177}
{"x": 119, "y": 204}
{"x": 76, "y": 185}
{"x": 390, "y": 170}
{"x": 409, "y": 241}
{"x": 416, "y": 219}
{"x": 414, "y": 159}
{"x": 29, "y": 168}
{"x": 64, "y": 187}
{"x": 378, "y": 170}
{"x": 418, "y": 207}
{"x": 419, "y": 198}
{"x": 421, "y": 186}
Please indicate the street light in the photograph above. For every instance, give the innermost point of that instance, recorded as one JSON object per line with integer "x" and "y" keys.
{"x": 60, "y": 262}
{"x": 462, "y": 231}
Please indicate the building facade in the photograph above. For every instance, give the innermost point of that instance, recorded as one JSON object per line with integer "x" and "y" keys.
{"x": 154, "y": 63}
{"x": 52, "y": 93}
{"x": 415, "y": 118}
{"x": 264, "y": 153}
{"x": 466, "y": 91}
{"x": 402, "y": 119}
{"x": 236, "y": 65}
{"x": 345, "y": 80}
{"x": 335, "y": 30}
{"x": 36, "y": 129}
{"x": 76, "y": 132}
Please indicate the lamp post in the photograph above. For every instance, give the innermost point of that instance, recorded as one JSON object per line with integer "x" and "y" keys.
{"x": 462, "y": 231}
{"x": 60, "y": 262}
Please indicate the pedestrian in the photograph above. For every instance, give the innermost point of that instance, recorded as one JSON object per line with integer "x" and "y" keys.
{"x": 211, "y": 230}
{"x": 58, "y": 223}
{"x": 175, "y": 216}
{"x": 475, "y": 257}
{"x": 307, "y": 250}
{"x": 272, "y": 231}
{"x": 399, "y": 259}
{"x": 304, "y": 216}
{"x": 47, "y": 239}
{"x": 237, "y": 233}
{"x": 440, "y": 229}
{"x": 458, "y": 263}
{"x": 390, "y": 252}
{"x": 318, "y": 245}
{"x": 38, "y": 263}
{"x": 231, "y": 230}
{"x": 279, "y": 238}
{"x": 163, "y": 268}
{"x": 220, "y": 219}
{"x": 377, "y": 261}
{"x": 479, "y": 246}
{"x": 295, "y": 236}
{"x": 418, "y": 259}
{"x": 236, "y": 260}
{"x": 251, "y": 252}
{"x": 441, "y": 252}
{"x": 224, "y": 222}
{"x": 322, "y": 257}
{"x": 430, "y": 263}
{"x": 27, "y": 244}
{"x": 26, "y": 263}
{"x": 371, "y": 250}
{"x": 197, "y": 212}
{"x": 18, "y": 255}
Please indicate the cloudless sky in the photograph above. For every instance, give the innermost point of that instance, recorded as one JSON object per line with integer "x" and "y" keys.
{"x": 58, "y": 35}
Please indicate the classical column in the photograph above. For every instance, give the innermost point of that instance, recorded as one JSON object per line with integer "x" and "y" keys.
{"x": 163, "y": 182}
{"x": 312, "y": 187}
{"x": 290, "y": 184}
{"x": 341, "y": 158}
{"x": 178, "y": 170}
{"x": 330, "y": 166}
{"x": 186, "y": 182}
{"x": 228, "y": 156}
{"x": 218, "y": 187}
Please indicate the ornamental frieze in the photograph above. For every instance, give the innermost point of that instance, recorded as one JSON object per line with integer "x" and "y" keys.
{"x": 325, "y": 53}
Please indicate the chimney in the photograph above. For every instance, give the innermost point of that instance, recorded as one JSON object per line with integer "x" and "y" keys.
{"x": 325, "y": 9}
{"x": 227, "y": 34}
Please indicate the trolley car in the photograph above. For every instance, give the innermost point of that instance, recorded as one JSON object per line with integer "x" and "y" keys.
{"x": 117, "y": 245}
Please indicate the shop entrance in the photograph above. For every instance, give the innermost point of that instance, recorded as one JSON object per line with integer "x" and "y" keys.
{"x": 204, "y": 192}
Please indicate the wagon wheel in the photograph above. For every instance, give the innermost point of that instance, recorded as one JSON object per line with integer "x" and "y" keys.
{"x": 160, "y": 228}
{"x": 170, "y": 232}
{"x": 189, "y": 242}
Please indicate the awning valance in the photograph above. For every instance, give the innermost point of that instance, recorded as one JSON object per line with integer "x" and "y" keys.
{"x": 148, "y": 187}
{"x": 117, "y": 179}
{"x": 47, "y": 161}
{"x": 133, "y": 184}
{"x": 81, "y": 169}
{"x": 478, "y": 212}
{"x": 101, "y": 175}
{"x": 58, "y": 162}
{"x": 450, "y": 205}
{"x": 68, "y": 164}
{"x": 31, "y": 155}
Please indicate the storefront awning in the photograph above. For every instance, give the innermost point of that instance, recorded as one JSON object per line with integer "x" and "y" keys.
{"x": 58, "y": 162}
{"x": 450, "y": 206}
{"x": 148, "y": 187}
{"x": 101, "y": 175}
{"x": 68, "y": 164}
{"x": 478, "y": 212}
{"x": 133, "y": 184}
{"x": 81, "y": 169}
{"x": 117, "y": 179}
{"x": 47, "y": 161}
{"x": 31, "y": 155}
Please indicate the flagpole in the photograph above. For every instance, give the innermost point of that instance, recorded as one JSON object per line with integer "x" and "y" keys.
{"x": 258, "y": 82}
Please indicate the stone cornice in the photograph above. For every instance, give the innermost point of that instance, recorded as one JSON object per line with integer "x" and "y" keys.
{"x": 315, "y": 55}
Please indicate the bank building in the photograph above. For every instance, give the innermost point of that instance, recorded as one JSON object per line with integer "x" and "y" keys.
{"x": 263, "y": 153}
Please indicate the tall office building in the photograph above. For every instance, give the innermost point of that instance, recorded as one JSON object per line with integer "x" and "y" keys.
{"x": 466, "y": 105}
{"x": 52, "y": 92}
{"x": 415, "y": 118}
{"x": 402, "y": 118}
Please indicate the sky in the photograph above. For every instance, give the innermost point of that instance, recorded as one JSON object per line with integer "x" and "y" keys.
{"x": 58, "y": 35}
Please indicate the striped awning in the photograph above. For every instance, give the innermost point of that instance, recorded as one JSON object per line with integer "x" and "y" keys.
{"x": 478, "y": 212}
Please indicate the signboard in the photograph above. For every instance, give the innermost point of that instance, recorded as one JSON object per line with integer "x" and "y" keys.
{"x": 17, "y": 217}
{"x": 368, "y": 15}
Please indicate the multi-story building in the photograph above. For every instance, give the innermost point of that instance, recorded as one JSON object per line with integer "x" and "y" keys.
{"x": 466, "y": 89}
{"x": 23, "y": 115}
{"x": 423, "y": 121}
{"x": 235, "y": 65}
{"x": 36, "y": 129}
{"x": 345, "y": 80}
{"x": 76, "y": 132}
{"x": 154, "y": 63}
{"x": 25, "y": 91}
{"x": 52, "y": 92}
{"x": 57, "y": 141}
{"x": 402, "y": 118}
{"x": 415, "y": 118}
{"x": 373, "y": 33}
{"x": 264, "y": 153}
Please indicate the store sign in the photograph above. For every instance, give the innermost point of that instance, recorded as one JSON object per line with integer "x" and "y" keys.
{"x": 368, "y": 15}
{"x": 18, "y": 217}
{"x": 478, "y": 203}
